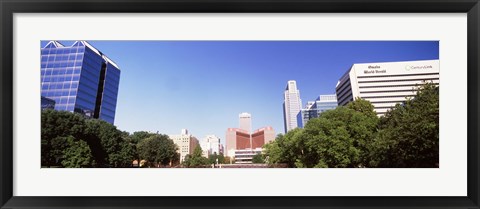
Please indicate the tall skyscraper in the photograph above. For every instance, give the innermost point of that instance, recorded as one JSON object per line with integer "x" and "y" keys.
{"x": 292, "y": 105}
{"x": 80, "y": 78}
{"x": 245, "y": 121}
{"x": 386, "y": 84}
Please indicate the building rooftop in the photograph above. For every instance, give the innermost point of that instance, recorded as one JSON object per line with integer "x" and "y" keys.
{"x": 57, "y": 44}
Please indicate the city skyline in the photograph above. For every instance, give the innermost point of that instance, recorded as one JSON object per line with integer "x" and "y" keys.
{"x": 202, "y": 86}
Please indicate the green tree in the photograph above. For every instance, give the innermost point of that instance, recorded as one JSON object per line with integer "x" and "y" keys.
{"x": 52, "y": 151}
{"x": 258, "y": 158}
{"x": 330, "y": 144}
{"x": 409, "y": 133}
{"x": 61, "y": 123}
{"x": 139, "y": 136}
{"x": 128, "y": 151}
{"x": 353, "y": 136}
{"x": 338, "y": 138}
{"x": 288, "y": 148}
{"x": 212, "y": 159}
{"x": 134, "y": 139}
{"x": 55, "y": 125}
{"x": 109, "y": 145}
{"x": 365, "y": 131}
{"x": 196, "y": 159}
{"x": 76, "y": 154}
{"x": 158, "y": 150}
{"x": 363, "y": 106}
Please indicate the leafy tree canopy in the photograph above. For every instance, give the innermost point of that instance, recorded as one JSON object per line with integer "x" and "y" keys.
{"x": 409, "y": 133}
{"x": 353, "y": 136}
{"x": 258, "y": 158}
{"x": 338, "y": 138}
{"x": 196, "y": 159}
{"x": 212, "y": 159}
{"x": 108, "y": 146}
{"x": 158, "y": 150}
{"x": 77, "y": 154}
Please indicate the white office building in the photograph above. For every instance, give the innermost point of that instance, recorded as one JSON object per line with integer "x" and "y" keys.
{"x": 185, "y": 142}
{"x": 292, "y": 105}
{"x": 385, "y": 84}
{"x": 211, "y": 145}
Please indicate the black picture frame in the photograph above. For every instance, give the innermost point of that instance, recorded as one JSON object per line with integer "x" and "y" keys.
{"x": 10, "y": 7}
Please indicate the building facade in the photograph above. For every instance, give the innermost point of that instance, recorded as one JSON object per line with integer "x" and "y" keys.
{"x": 262, "y": 136}
{"x": 185, "y": 142}
{"x": 239, "y": 140}
{"x": 211, "y": 145}
{"x": 386, "y": 84}
{"x": 313, "y": 109}
{"x": 292, "y": 104}
{"x": 246, "y": 156}
{"x": 80, "y": 78}
{"x": 236, "y": 139}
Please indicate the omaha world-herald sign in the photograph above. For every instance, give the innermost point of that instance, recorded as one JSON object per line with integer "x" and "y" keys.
{"x": 387, "y": 83}
{"x": 395, "y": 67}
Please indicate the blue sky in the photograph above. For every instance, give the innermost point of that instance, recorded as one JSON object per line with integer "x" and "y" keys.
{"x": 203, "y": 85}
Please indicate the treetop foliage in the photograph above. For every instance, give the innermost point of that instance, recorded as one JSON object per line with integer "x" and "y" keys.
{"x": 196, "y": 160}
{"x": 158, "y": 150}
{"x": 71, "y": 140}
{"x": 353, "y": 136}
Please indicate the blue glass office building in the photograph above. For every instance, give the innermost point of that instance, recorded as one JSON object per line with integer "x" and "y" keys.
{"x": 313, "y": 109}
{"x": 79, "y": 78}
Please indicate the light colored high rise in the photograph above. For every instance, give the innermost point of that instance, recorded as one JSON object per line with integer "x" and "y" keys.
{"x": 210, "y": 145}
{"x": 292, "y": 105}
{"x": 185, "y": 142}
{"x": 245, "y": 121}
{"x": 386, "y": 84}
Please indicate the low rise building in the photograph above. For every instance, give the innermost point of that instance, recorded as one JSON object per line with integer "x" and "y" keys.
{"x": 245, "y": 156}
{"x": 185, "y": 142}
{"x": 211, "y": 145}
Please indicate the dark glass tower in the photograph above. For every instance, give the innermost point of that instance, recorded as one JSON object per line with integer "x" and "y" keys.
{"x": 79, "y": 78}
